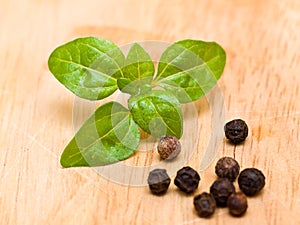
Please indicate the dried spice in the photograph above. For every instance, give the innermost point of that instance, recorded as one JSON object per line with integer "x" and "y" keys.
{"x": 168, "y": 147}
{"x": 227, "y": 167}
{"x": 159, "y": 181}
{"x": 221, "y": 189}
{"x": 204, "y": 204}
{"x": 251, "y": 181}
{"x": 237, "y": 204}
{"x": 236, "y": 131}
{"x": 187, "y": 179}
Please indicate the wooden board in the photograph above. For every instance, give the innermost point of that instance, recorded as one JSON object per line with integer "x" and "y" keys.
{"x": 260, "y": 84}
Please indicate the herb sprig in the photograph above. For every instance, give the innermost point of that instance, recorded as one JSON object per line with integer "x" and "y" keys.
{"x": 94, "y": 68}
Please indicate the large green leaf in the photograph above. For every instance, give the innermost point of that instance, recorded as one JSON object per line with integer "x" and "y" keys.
{"x": 137, "y": 71}
{"x": 89, "y": 67}
{"x": 158, "y": 113}
{"x": 190, "y": 68}
{"x": 109, "y": 135}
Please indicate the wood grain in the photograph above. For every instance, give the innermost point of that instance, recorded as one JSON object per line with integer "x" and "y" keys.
{"x": 260, "y": 84}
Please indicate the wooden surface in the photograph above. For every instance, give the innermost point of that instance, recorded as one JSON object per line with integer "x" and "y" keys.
{"x": 260, "y": 84}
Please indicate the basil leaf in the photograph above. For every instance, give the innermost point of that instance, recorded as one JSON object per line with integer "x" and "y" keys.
{"x": 190, "y": 68}
{"x": 158, "y": 113}
{"x": 108, "y": 135}
{"x": 138, "y": 71}
{"x": 89, "y": 67}
{"x": 134, "y": 87}
{"x": 138, "y": 64}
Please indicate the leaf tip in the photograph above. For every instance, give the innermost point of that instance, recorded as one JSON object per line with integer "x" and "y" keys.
{"x": 63, "y": 163}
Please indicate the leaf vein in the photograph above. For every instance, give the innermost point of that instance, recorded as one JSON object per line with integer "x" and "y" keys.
{"x": 85, "y": 67}
{"x": 104, "y": 53}
{"x": 97, "y": 140}
{"x": 162, "y": 118}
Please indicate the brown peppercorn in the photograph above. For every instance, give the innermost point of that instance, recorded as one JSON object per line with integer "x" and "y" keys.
{"x": 236, "y": 131}
{"x": 221, "y": 189}
{"x": 227, "y": 167}
{"x": 251, "y": 181}
{"x": 159, "y": 181}
{"x": 187, "y": 179}
{"x": 237, "y": 204}
{"x": 168, "y": 147}
{"x": 204, "y": 204}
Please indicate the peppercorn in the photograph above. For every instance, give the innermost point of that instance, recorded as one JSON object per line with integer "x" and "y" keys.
{"x": 236, "y": 131}
{"x": 187, "y": 179}
{"x": 221, "y": 189}
{"x": 159, "y": 181}
{"x": 168, "y": 147}
{"x": 227, "y": 167}
{"x": 251, "y": 181}
{"x": 237, "y": 204}
{"x": 204, "y": 204}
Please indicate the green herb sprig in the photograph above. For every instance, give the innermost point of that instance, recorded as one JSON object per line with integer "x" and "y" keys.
{"x": 94, "y": 68}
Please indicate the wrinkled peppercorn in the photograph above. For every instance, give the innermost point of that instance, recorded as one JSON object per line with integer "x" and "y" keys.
{"x": 251, "y": 181}
{"x": 159, "y": 181}
{"x": 187, "y": 179}
{"x": 237, "y": 204}
{"x": 221, "y": 189}
{"x": 204, "y": 204}
{"x": 227, "y": 167}
{"x": 168, "y": 147}
{"x": 236, "y": 131}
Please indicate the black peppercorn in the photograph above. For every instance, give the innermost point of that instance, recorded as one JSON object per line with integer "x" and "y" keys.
{"x": 168, "y": 147}
{"x": 227, "y": 167}
{"x": 221, "y": 189}
{"x": 159, "y": 181}
{"x": 237, "y": 204}
{"x": 204, "y": 204}
{"x": 251, "y": 181}
{"x": 187, "y": 179}
{"x": 236, "y": 131}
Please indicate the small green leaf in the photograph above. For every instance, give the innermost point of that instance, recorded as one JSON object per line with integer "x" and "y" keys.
{"x": 138, "y": 71}
{"x": 158, "y": 113}
{"x": 108, "y": 135}
{"x": 89, "y": 67}
{"x": 138, "y": 64}
{"x": 190, "y": 68}
{"x": 134, "y": 87}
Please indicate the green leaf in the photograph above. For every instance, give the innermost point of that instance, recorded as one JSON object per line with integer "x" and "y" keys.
{"x": 138, "y": 64}
{"x": 134, "y": 87}
{"x": 158, "y": 113}
{"x": 89, "y": 67}
{"x": 108, "y": 135}
{"x": 138, "y": 71}
{"x": 190, "y": 68}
